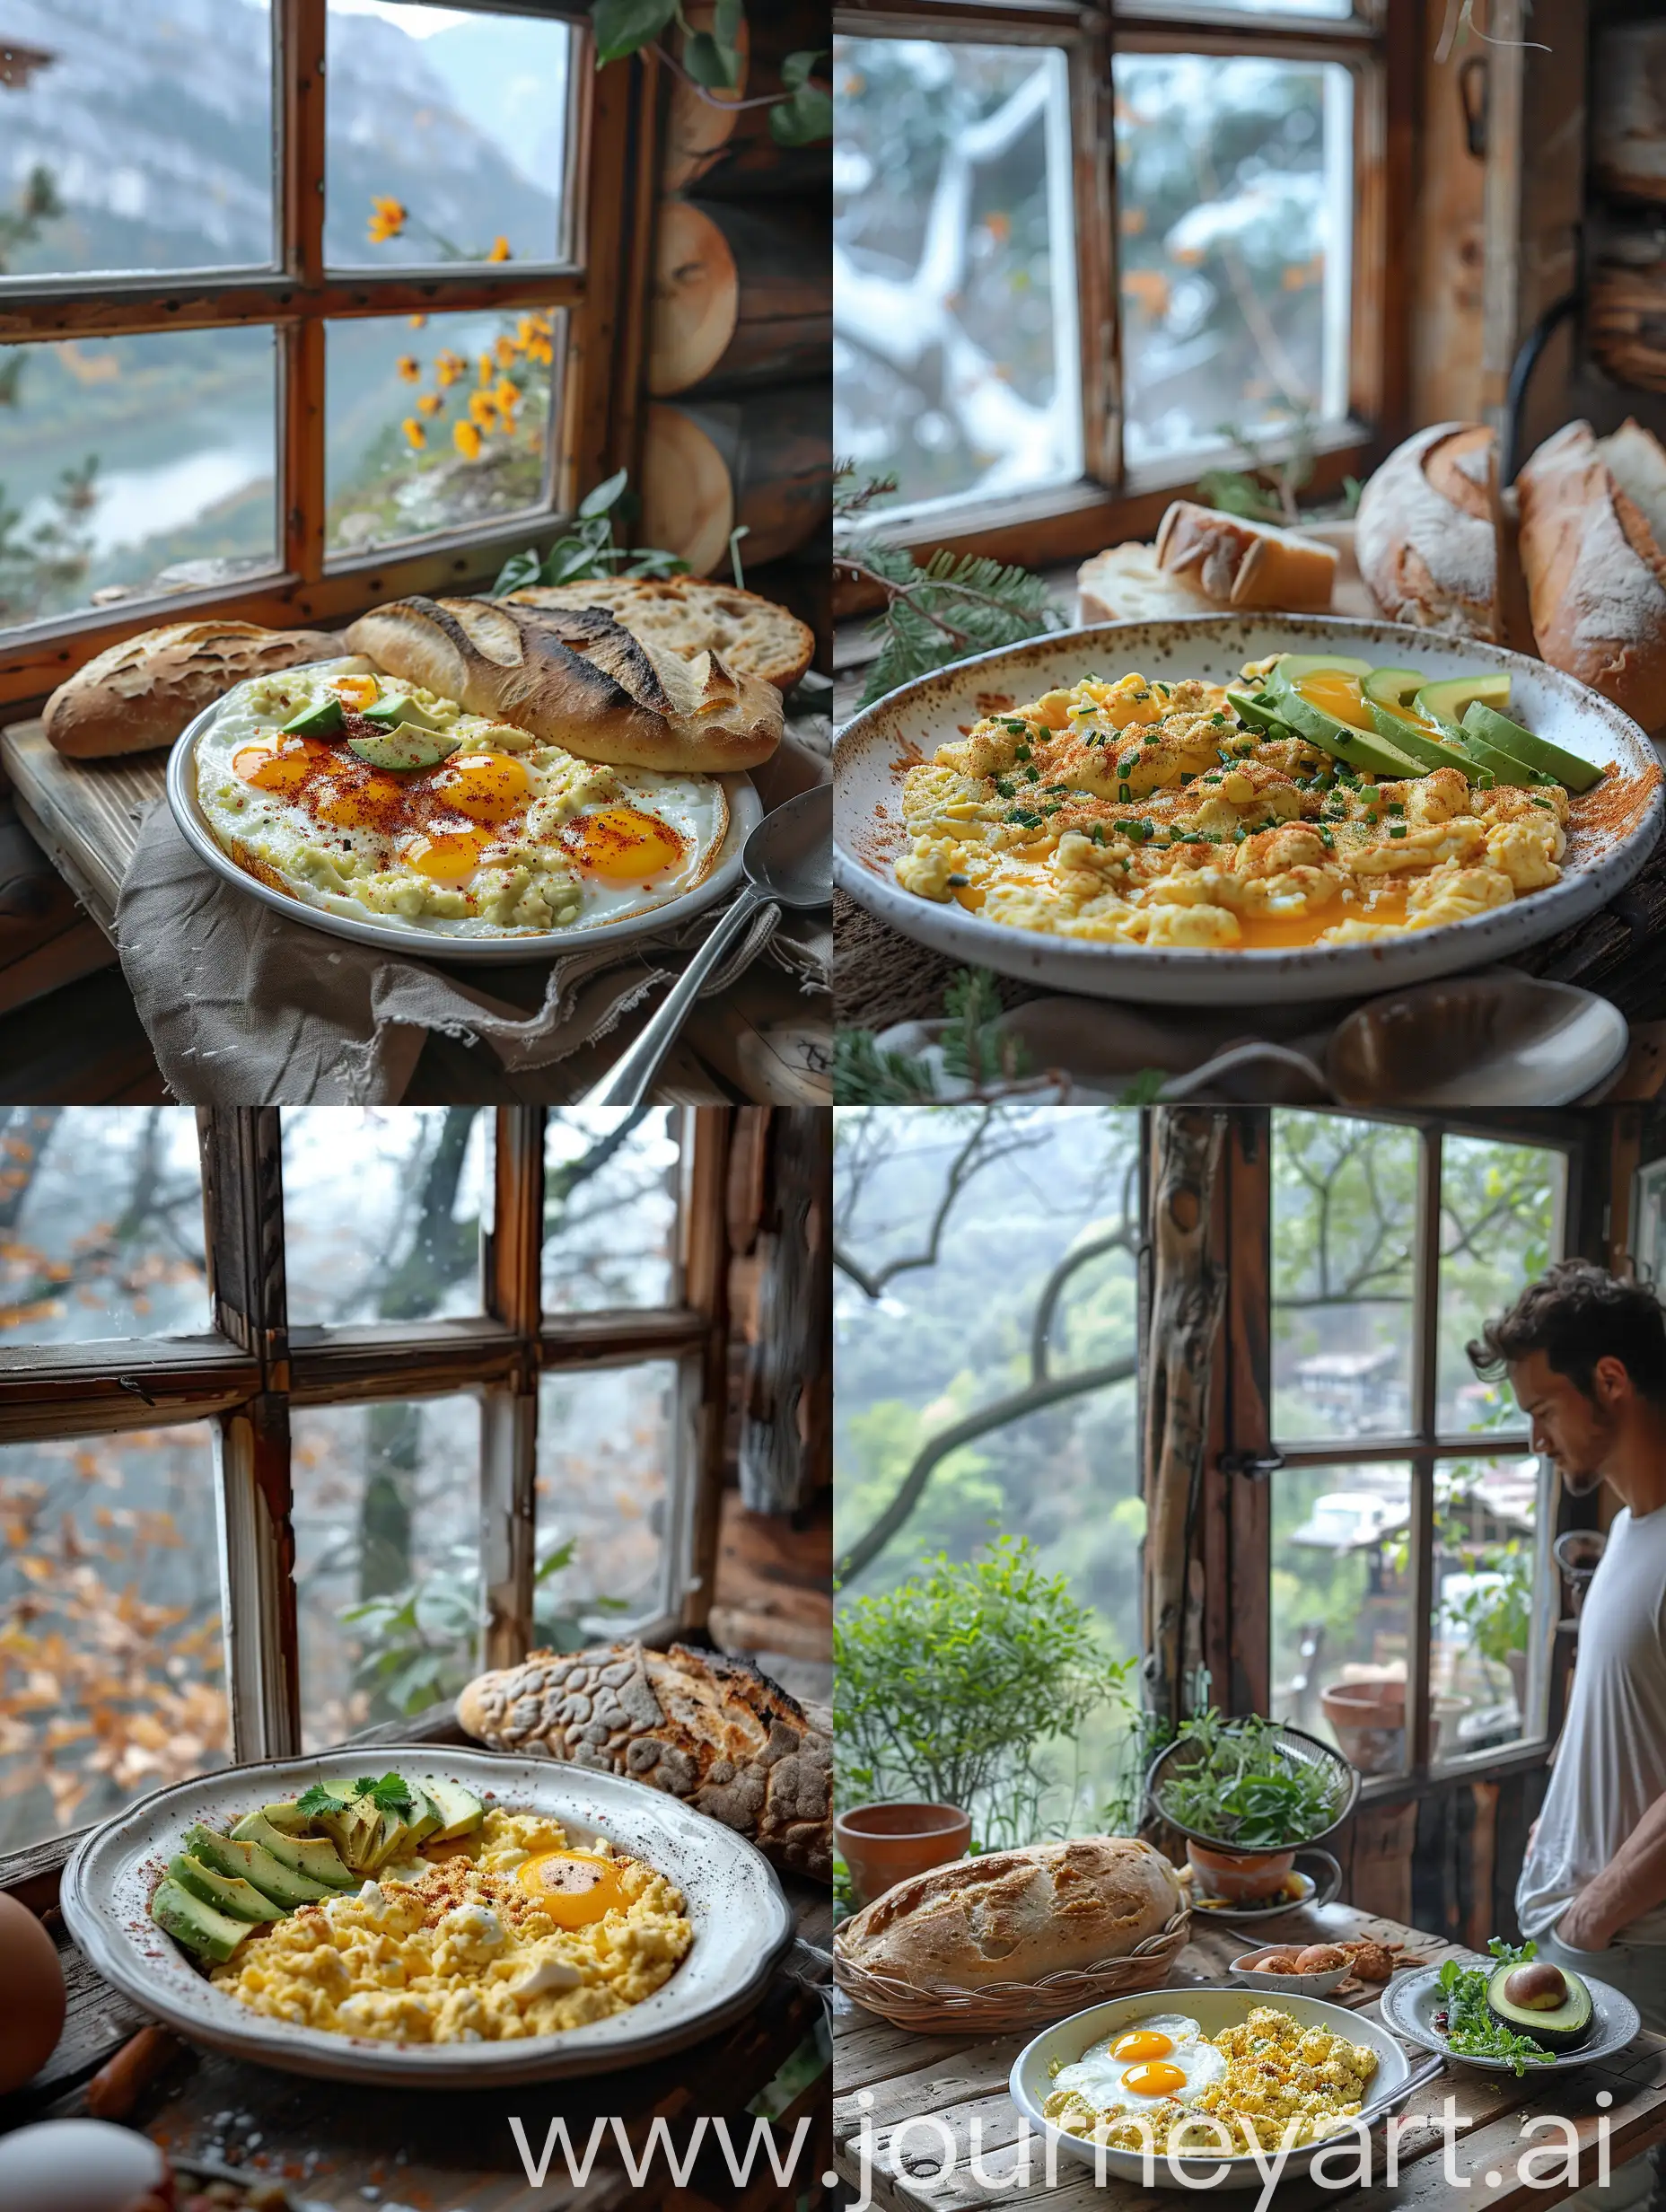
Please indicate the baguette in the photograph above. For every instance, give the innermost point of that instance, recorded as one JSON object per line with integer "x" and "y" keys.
{"x": 1125, "y": 585}
{"x": 577, "y": 679}
{"x": 141, "y": 693}
{"x": 1428, "y": 533}
{"x": 686, "y": 615}
{"x": 1239, "y": 562}
{"x": 1594, "y": 547}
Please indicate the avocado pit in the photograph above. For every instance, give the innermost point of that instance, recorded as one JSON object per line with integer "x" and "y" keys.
{"x": 1543, "y": 2001}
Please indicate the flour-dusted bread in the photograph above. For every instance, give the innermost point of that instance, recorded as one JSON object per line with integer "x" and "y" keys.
{"x": 577, "y": 679}
{"x": 1125, "y": 585}
{"x": 1239, "y": 563}
{"x": 686, "y": 615}
{"x": 1017, "y": 1916}
{"x": 707, "y": 1728}
{"x": 141, "y": 693}
{"x": 1594, "y": 547}
{"x": 1427, "y": 538}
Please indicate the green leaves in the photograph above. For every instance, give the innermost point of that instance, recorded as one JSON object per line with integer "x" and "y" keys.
{"x": 389, "y": 1793}
{"x": 1472, "y": 2028}
{"x": 1236, "y": 1785}
{"x": 318, "y": 1799}
{"x": 587, "y": 549}
{"x": 957, "y": 605}
{"x": 807, "y": 114}
{"x": 622, "y": 27}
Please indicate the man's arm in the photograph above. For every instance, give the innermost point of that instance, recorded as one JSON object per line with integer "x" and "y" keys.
{"x": 1633, "y": 1882}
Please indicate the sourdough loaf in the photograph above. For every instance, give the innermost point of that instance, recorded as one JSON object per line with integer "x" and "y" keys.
{"x": 1239, "y": 562}
{"x": 1428, "y": 531}
{"x": 577, "y": 679}
{"x": 1125, "y": 585}
{"x": 141, "y": 693}
{"x": 1017, "y": 1916}
{"x": 1594, "y": 547}
{"x": 704, "y": 1727}
{"x": 686, "y": 615}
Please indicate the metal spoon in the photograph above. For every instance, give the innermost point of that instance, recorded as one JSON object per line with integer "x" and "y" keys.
{"x": 789, "y": 862}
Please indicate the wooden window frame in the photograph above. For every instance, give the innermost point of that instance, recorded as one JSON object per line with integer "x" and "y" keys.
{"x": 600, "y": 287}
{"x": 1237, "y": 1515}
{"x": 251, "y": 1370}
{"x": 1378, "y": 46}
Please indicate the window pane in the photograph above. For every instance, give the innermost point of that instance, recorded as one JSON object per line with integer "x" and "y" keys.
{"x": 955, "y": 355}
{"x": 111, "y": 1662}
{"x": 1492, "y": 1584}
{"x": 1345, "y": 1210}
{"x": 1339, "y": 1608}
{"x": 607, "y": 1464}
{"x": 611, "y": 1177}
{"x": 447, "y": 136}
{"x": 101, "y": 1224}
{"x": 1501, "y": 1227}
{"x": 387, "y": 1559}
{"x": 382, "y": 1210}
{"x": 1234, "y": 199}
{"x": 136, "y": 137}
{"x": 130, "y": 466}
{"x": 435, "y": 422}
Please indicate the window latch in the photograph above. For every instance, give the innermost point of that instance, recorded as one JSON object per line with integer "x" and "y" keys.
{"x": 1255, "y": 1467}
{"x": 132, "y": 1383}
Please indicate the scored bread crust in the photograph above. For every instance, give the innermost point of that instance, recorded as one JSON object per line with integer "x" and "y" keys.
{"x": 140, "y": 694}
{"x": 687, "y": 615}
{"x": 1426, "y": 535}
{"x": 1237, "y": 562}
{"x": 1596, "y": 576}
{"x": 575, "y": 678}
{"x": 1017, "y": 1916}
{"x": 701, "y": 1726}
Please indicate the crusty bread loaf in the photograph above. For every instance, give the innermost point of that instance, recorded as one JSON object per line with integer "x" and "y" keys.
{"x": 577, "y": 679}
{"x": 1594, "y": 547}
{"x": 704, "y": 1727}
{"x": 1125, "y": 585}
{"x": 141, "y": 693}
{"x": 1239, "y": 562}
{"x": 1428, "y": 531}
{"x": 1016, "y": 1916}
{"x": 687, "y": 615}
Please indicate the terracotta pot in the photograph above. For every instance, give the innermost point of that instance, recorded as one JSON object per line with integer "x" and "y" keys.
{"x": 882, "y": 1845}
{"x": 1240, "y": 1877}
{"x": 1368, "y": 1720}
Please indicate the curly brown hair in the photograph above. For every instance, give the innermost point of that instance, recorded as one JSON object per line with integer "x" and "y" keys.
{"x": 1577, "y": 1314}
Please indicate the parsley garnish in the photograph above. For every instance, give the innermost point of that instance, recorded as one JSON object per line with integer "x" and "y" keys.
{"x": 390, "y": 1794}
{"x": 318, "y": 1799}
{"x": 1471, "y": 2030}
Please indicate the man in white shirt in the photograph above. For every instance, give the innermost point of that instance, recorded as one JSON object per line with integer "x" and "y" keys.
{"x": 1585, "y": 1353}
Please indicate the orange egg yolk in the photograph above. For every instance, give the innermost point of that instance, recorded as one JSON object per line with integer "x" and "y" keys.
{"x": 446, "y": 856}
{"x": 358, "y": 801}
{"x": 486, "y": 787}
{"x": 575, "y": 1888}
{"x": 1159, "y": 2079}
{"x": 622, "y": 845}
{"x": 278, "y": 764}
{"x": 357, "y": 691}
{"x": 1337, "y": 695}
{"x": 1142, "y": 2043}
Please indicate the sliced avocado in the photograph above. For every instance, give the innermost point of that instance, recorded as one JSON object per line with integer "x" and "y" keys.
{"x": 316, "y": 1856}
{"x": 427, "y": 1819}
{"x": 1423, "y": 745}
{"x": 391, "y": 712}
{"x": 287, "y": 1818}
{"x": 1374, "y": 755}
{"x": 1448, "y": 701}
{"x": 198, "y": 1926}
{"x": 1255, "y": 716}
{"x": 248, "y": 1862}
{"x": 460, "y": 1810}
{"x": 1291, "y": 667}
{"x": 228, "y": 1893}
{"x": 1500, "y": 766}
{"x": 1505, "y": 736}
{"x": 355, "y": 1829}
{"x": 321, "y": 720}
{"x": 406, "y": 748}
{"x": 1549, "y": 2003}
{"x": 1393, "y": 687}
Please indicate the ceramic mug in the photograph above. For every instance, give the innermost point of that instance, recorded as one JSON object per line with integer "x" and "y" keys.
{"x": 882, "y": 1845}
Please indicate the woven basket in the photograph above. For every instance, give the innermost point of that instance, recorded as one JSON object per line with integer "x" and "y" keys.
{"x": 1003, "y": 2005}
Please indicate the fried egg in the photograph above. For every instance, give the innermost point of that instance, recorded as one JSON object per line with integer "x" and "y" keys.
{"x": 1154, "y": 2061}
{"x": 503, "y": 835}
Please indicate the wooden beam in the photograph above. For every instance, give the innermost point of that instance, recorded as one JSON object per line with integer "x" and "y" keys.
{"x": 122, "y": 307}
{"x": 74, "y": 1390}
{"x": 509, "y": 1413}
{"x": 1425, "y": 1387}
{"x": 243, "y": 1176}
{"x": 1246, "y": 1605}
{"x": 707, "y": 1131}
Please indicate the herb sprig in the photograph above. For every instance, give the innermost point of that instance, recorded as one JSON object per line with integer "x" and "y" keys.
{"x": 1241, "y": 1788}
{"x": 1471, "y": 2027}
{"x": 389, "y": 1793}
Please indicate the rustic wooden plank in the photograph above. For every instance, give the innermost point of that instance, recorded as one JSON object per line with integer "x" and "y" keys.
{"x": 83, "y": 814}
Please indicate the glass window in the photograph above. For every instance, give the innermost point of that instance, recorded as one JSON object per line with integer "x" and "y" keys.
{"x": 447, "y": 136}
{"x": 382, "y": 1210}
{"x": 955, "y": 350}
{"x": 1345, "y": 1211}
{"x": 113, "y": 1666}
{"x": 1340, "y": 1607}
{"x": 135, "y": 138}
{"x": 1492, "y": 1581}
{"x": 386, "y": 1511}
{"x": 1501, "y": 1225}
{"x": 611, "y": 1179}
{"x": 435, "y": 422}
{"x": 132, "y": 466}
{"x": 607, "y": 1450}
{"x": 1234, "y": 203}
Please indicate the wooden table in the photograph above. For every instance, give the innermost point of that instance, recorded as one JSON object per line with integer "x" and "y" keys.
{"x": 884, "y": 2076}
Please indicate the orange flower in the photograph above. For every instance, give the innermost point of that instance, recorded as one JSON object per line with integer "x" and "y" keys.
{"x": 540, "y": 349}
{"x": 410, "y": 368}
{"x": 417, "y": 323}
{"x": 483, "y": 409}
{"x": 448, "y": 367}
{"x": 466, "y": 438}
{"x": 387, "y": 219}
{"x": 485, "y": 369}
{"x": 500, "y": 249}
{"x": 505, "y": 352}
{"x": 416, "y": 436}
{"x": 507, "y": 397}
{"x": 430, "y": 403}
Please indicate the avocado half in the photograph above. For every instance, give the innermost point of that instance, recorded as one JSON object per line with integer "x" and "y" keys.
{"x": 1544, "y": 2001}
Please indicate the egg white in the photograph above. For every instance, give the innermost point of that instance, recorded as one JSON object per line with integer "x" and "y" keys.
{"x": 1100, "y": 2079}
{"x": 355, "y": 871}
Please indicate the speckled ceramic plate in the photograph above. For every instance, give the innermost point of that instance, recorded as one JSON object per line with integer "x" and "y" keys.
{"x": 1411, "y": 2001}
{"x": 741, "y": 1919}
{"x": 876, "y": 748}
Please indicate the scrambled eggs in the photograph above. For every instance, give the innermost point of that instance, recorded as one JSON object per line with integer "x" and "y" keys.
{"x": 511, "y": 1931}
{"x": 1277, "y": 2074}
{"x": 1140, "y": 812}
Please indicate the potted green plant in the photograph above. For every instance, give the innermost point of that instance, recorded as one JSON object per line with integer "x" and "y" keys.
{"x": 1499, "y": 1616}
{"x": 1248, "y": 1793}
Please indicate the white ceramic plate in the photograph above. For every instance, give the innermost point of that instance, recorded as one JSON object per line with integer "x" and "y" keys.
{"x": 878, "y": 746}
{"x": 435, "y": 942}
{"x": 741, "y": 1920}
{"x": 1030, "y": 2084}
{"x": 1411, "y": 2001}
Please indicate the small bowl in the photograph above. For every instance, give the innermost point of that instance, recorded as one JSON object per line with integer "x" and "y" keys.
{"x": 1298, "y": 1985}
